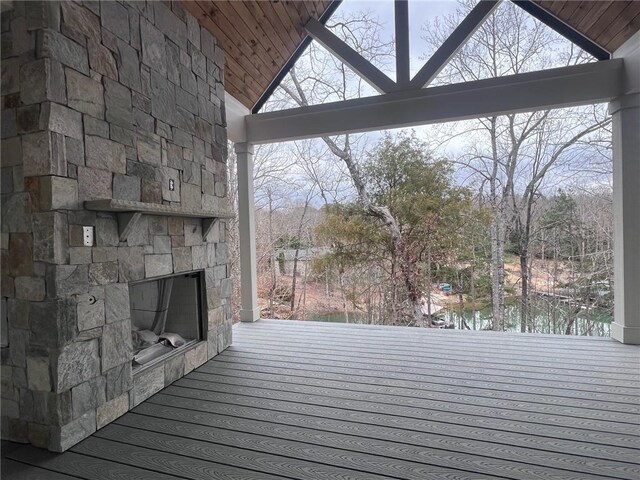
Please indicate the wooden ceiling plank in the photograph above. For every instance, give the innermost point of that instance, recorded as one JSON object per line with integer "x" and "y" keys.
{"x": 268, "y": 29}
{"x": 259, "y": 48}
{"x": 568, "y": 10}
{"x": 297, "y": 22}
{"x": 230, "y": 48}
{"x": 286, "y": 21}
{"x": 615, "y": 8}
{"x": 223, "y": 15}
{"x": 583, "y": 9}
{"x": 257, "y": 81}
{"x": 625, "y": 34}
{"x": 271, "y": 17}
{"x": 594, "y": 15}
{"x": 619, "y": 23}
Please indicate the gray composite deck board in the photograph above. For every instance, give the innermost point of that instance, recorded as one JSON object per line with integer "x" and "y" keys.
{"x": 312, "y": 400}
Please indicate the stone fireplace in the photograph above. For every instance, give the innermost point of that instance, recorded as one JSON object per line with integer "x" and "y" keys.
{"x": 113, "y": 172}
{"x": 166, "y": 317}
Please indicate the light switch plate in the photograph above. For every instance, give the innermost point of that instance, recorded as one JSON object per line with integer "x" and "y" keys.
{"x": 87, "y": 235}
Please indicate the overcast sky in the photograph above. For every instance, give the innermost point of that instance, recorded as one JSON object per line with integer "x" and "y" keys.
{"x": 420, "y": 11}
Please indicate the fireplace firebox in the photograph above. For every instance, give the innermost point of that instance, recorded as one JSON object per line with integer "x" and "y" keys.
{"x": 166, "y": 317}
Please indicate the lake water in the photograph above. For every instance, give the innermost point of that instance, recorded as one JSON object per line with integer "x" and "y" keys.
{"x": 548, "y": 316}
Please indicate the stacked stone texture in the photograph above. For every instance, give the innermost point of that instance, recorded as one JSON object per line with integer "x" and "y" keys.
{"x": 102, "y": 100}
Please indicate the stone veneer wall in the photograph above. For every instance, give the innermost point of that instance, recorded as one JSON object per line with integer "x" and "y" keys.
{"x": 102, "y": 100}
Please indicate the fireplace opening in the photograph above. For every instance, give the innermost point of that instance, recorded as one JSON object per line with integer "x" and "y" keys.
{"x": 166, "y": 316}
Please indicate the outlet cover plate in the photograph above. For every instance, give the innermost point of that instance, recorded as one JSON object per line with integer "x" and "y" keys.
{"x": 87, "y": 235}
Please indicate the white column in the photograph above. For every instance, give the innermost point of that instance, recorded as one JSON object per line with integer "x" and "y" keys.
{"x": 625, "y": 112}
{"x": 249, "y": 311}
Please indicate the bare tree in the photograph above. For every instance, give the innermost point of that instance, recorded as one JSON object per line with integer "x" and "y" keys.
{"x": 514, "y": 156}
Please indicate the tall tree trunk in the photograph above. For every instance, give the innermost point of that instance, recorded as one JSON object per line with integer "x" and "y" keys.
{"x": 293, "y": 280}
{"x": 497, "y": 274}
{"x": 524, "y": 299}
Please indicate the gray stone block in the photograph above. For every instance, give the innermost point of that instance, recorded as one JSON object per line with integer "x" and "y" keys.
{"x": 11, "y": 78}
{"x": 208, "y": 44}
{"x": 146, "y": 384}
{"x": 192, "y": 232}
{"x": 143, "y": 120}
{"x": 118, "y": 102}
{"x": 117, "y": 302}
{"x": 58, "y": 193}
{"x": 134, "y": 28}
{"x": 153, "y": 47}
{"x": 158, "y": 225}
{"x": 67, "y": 280}
{"x": 55, "y": 45}
{"x": 39, "y": 373}
{"x": 191, "y": 196}
{"x": 131, "y": 264}
{"x": 169, "y": 24}
{"x": 173, "y": 60}
{"x": 188, "y": 80}
{"x": 186, "y": 100}
{"x": 101, "y": 60}
{"x": 116, "y": 345}
{"x": 68, "y": 435}
{"x": 60, "y": 119}
{"x": 173, "y": 369}
{"x": 185, "y": 121}
{"x": 107, "y": 231}
{"x": 52, "y": 324}
{"x": 126, "y": 187}
{"x": 105, "y": 154}
{"x": 79, "y": 255}
{"x": 74, "y": 150}
{"x": 9, "y": 125}
{"x": 193, "y": 31}
{"x": 157, "y": 265}
{"x": 161, "y": 244}
{"x": 195, "y": 357}
{"x": 90, "y": 312}
{"x": 199, "y": 253}
{"x": 151, "y": 191}
{"x": 199, "y": 63}
{"x": 94, "y": 126}
{"x": 104, "y": 254}
{"x": 93, "y": 184}
{"x": 119, "y": 380}
{"x": 163, "y": 98}
{"x": 172, "y": 156}
{"x": 27, "y": 119}
{"x": 11, "y": 152}
{"x": 50, "y": 238}
{"x": 115, "y": 18}
{"x": 43, "y": 154}
{"x": 141, "y": 102}
{"x": 111, "y": 410}
{"x": 103, "y": 273}
{"x": 149, "y": 150}
{"x": 80, "y": 20}
{"x": 76, "y": 363}
{"x": 182, "y": 261}
{"x": 88, "y": 396}
{"x": 85, "y": 94}
{"x": 30, "y": 288}
{"x": 128, "y": 66}
{"x": 139, "y": 234}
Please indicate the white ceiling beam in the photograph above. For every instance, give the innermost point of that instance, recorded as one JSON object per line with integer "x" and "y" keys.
{"x": 236, "y": 113}
{"x": 453, "y": 43}
{"x": 347, "y": 55}
{"x": 403, "y": 70}
{"x": 555, "y": 88}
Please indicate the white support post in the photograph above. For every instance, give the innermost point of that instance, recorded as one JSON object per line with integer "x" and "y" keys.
{"x": 625, "y": 111}
{"x": 249, "y": 311}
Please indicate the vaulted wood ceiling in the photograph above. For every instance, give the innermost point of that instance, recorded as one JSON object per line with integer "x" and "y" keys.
{"x": 260, "y": 37}
{"x": 607, "y": 23}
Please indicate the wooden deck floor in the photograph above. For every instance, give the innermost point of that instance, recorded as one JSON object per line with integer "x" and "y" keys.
{"x": 306, "y": 400}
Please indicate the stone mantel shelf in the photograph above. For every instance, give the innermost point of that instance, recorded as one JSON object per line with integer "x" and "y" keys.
{"x": 129, "y": 212}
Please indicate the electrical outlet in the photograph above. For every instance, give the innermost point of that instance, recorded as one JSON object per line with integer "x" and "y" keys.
{"x": 87, "y": 235}
{"x": 172, "y": 185}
